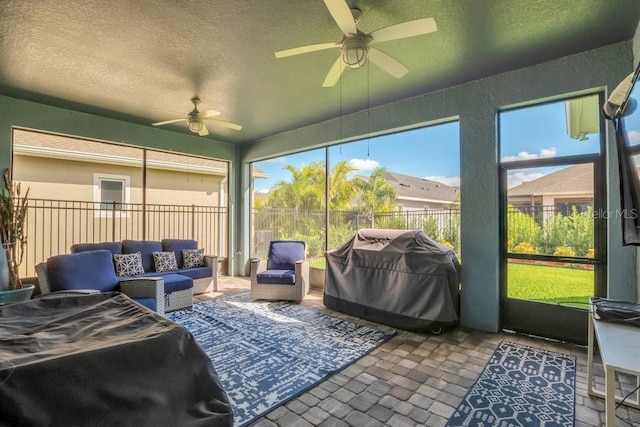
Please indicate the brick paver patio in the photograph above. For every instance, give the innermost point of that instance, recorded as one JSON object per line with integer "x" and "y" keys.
{"x": 417, "y": 379}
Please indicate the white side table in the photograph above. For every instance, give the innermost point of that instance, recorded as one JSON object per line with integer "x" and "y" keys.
{"x": 620, "y": 352}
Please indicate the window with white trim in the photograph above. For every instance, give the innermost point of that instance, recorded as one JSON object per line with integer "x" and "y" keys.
{"x": 111, "y": 192}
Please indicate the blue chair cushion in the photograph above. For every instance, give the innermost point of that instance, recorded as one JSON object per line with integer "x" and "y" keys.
{"x": 146, "y": 249}
{"x": 177, "y": 245}
{"x": 82, "y": 270}
{"x": 276, "y": 277}
{"x": 114, "y": 247}
{"x": 197, "y": 272}
{"x": 283, "y": 254}
{"x": 149, "y": 302}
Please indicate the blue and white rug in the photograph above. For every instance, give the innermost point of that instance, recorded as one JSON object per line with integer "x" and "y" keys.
{"x": 266, "y": 353}
{"x": 521, "y": 386}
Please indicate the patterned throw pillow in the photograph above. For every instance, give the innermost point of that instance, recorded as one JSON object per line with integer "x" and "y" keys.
{"x": 193, "y": 258}
{"x": 128, "y": 264}
{"x": 165, "y": 261}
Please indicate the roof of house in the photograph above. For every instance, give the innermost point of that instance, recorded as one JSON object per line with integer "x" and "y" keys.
{"x": 421, "y": 189}
{"x": 572, "y": 180}
{"x": 42, "y": 144}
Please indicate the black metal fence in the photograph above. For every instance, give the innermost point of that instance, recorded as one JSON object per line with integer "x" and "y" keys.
{"x": 54, "y": 225}
{"x": 309, "y": 225}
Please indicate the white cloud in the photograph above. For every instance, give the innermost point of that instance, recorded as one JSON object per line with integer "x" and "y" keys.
{"x": 518, "y": 178}
{"x": 453, "y": 181}
{"x": 262, "y": 190}
{"x": 363, "y": 164}
{"x": 525, "y": 155}
{"x": 634, "y": 136}
{"x": 281, "y": 159}
{"x": 548, "y": 152}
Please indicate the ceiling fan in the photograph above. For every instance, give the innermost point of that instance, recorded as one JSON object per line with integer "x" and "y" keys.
{"x": 356, "y": 45}
{"x": 195, "y": 120}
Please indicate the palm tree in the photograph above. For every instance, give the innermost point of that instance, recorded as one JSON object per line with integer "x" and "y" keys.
{"x": 342, "y": 189}
{"x": 376, "y": 194}
{"x": 305, "y": 189}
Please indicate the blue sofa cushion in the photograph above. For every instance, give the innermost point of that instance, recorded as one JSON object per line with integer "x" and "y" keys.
{"x": 82, "y": 270}
{"x": 197, "y": 273}
{"x": 177, "y": 245}
{"x": 276, "y": 277}
{"x": 283, "y": 254}
{"x": 149, "y": 302}
{"x": 172, "y": 281}
{"x": 146, "y": 249}
{"x": 114, "y": 247}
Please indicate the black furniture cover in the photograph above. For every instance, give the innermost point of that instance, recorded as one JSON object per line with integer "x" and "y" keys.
{"x": 395, "y": 277}
{"x": 102, "y": 359}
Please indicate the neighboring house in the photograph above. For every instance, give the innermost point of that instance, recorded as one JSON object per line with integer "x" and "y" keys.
{"x": 414, "y": 194}
{"x": 572, "y": 186}
{"x": 63, "y": 168}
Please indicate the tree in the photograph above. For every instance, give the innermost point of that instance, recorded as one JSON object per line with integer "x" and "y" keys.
{"x": 376, "y": 194}
{"x": 305, "y": 190}
{"x": 342, "y": 189}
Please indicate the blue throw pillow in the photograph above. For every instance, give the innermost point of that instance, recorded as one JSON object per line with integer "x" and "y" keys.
{"x": 193, "y": 258}
{"x": 165, "y": 261}
{"x": 128, "y": 264}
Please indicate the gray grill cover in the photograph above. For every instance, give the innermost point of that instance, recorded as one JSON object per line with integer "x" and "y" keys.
{"x": 396, "y": 277}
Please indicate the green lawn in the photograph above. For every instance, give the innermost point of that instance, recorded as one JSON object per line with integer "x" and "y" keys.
{"x": 550, "y": 284}
{"x": 572, "y": 286}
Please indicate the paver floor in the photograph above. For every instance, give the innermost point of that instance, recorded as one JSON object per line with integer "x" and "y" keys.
{"x": 418, "y": 379}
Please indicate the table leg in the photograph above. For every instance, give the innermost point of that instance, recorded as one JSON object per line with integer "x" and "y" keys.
{"x": 590, "y": 350}
{"x": 610, "y": 397}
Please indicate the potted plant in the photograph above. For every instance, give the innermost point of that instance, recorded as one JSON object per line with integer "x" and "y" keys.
{"x": 13, "y": 215}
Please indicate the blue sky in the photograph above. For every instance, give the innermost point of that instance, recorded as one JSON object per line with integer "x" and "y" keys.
{"x": 434, "y": 152}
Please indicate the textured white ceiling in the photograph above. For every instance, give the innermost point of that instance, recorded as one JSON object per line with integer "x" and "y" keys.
{"x": 143, "y": 60}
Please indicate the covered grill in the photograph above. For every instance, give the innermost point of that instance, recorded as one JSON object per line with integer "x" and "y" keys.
{"x": 396, "y": 277}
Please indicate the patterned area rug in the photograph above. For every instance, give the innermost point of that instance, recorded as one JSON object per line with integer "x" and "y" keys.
{"x": 521, "y": 386}
{"x": 266, "y": 353}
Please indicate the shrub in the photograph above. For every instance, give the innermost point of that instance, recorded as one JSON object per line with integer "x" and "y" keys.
{"x": 444, "y": 242}
{"x": 525, "y": 248}
{"x": 564, "y": 251}
{"x": 522, "y": 228}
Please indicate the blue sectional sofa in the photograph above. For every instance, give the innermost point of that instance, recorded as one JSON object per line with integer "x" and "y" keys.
{"x": 135, "y": 260}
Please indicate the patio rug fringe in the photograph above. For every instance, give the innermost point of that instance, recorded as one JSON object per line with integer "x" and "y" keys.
{"x": 521, "y": 386}
{"x": 266, "y": 353}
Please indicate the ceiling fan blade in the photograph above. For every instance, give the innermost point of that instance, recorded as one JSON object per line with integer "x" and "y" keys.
{"x": 209, "y": 113}
{"x": 204, "y": 131}
{"x": 306, "y": 49}
{"x": 166, "y": 122}
{"x": 387, "y": 63}
{"x": 225, "y": 124}
{"x": 404, "y": 30}
{"x": 334, "y": 73}
{"x": 342, "y": 15}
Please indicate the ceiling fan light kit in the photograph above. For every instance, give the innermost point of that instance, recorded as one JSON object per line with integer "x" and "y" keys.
{"x": 354, "y": 51}
{"x": 355, "y": 45}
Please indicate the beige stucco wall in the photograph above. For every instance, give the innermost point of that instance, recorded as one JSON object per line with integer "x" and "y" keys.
{"x": 56, "y": 179}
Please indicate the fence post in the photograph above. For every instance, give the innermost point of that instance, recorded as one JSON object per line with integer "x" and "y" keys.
{"x": 113, "y": 221}
{"x": 193, "y": 222}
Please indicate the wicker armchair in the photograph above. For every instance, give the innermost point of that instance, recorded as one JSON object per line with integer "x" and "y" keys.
{"x": 284, "y": 275}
